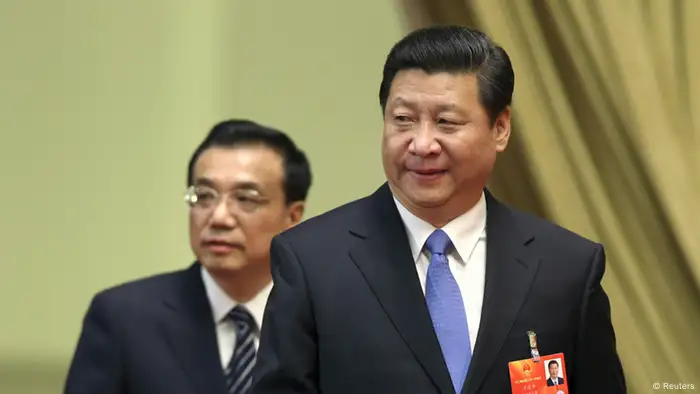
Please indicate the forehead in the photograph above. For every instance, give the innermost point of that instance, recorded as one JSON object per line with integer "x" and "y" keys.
{"x": 247, "y": 164}
{"x": 416, "y": 87}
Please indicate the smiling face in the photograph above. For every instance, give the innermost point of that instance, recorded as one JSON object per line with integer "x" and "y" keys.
{"x": 232, "y": 233}
{"x": 439, "y": 145}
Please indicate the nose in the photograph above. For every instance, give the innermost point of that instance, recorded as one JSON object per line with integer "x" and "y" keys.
{"x": 423, "y": 142}
{"x": 222, "y": 215}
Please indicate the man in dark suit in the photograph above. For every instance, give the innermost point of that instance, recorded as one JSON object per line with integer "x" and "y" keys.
{"x": 554, "y": 379}
{"x": 429, "y": 285}
{"x": 196, "y": 331}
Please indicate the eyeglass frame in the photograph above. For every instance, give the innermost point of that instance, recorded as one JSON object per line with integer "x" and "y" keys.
{"x": 253, "y": 199}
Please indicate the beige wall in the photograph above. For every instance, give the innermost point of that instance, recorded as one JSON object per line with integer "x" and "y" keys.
{"x": 102, "y": 104}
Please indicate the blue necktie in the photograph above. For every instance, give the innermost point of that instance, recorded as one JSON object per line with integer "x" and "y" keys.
{"x": 238, "y": 373}
{"x": 447, "y": 310}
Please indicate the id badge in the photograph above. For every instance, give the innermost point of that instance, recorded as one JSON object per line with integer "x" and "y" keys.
{"x": 539, "y": 374}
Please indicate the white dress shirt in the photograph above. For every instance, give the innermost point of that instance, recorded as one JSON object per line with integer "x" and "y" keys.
{"x": 467, "y": 257}
{"x": 221, "y": 305}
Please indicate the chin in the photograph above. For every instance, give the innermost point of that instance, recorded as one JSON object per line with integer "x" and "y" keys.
{"x": 429, "y": 203}
{"x": 424, "y": 196}
{"x": 222, "y": 265}
{"x": 427, "y": 198}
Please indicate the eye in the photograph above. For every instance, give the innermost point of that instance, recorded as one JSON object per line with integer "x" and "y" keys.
{"x": 205, "y": 195}
{"x": 403, "y": 119}
{"x": 205, "y": 198}
{"x": 449, "y": 124}
{"x": 249, "y": 199}
{"x": 245, "y": 199}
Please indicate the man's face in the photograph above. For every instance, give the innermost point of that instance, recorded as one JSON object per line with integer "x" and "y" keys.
{"x": 439, "y": 144}
{"x": 553, "y": 371}
{"x": 232, "y": 234}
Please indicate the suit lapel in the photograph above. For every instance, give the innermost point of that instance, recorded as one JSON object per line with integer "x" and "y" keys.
{"x": 191, "y": 333}
{"x": 383, "y": 255}
{"x": 510, "y": 271}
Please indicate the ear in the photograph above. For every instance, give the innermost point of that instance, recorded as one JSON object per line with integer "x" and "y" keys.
{"x": 502, "y": 130}
{"x": 295, "y": 212}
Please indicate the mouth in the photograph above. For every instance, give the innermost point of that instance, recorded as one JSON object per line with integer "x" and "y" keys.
{"x": 426, "y": 175}
{"x": 220, "y": 247}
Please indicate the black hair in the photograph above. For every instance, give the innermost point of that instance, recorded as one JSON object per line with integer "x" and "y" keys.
{"x": 549, "y": 365}
{"x": 239, "y": 132}
{"x": 454, "y": 49}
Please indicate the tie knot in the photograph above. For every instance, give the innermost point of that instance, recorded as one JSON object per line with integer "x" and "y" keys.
{"x": 438, "y": 242}
{"x": 242, "y": 319}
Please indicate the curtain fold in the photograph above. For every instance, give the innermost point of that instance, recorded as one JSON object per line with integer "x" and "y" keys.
{"x": 606, "y": 142}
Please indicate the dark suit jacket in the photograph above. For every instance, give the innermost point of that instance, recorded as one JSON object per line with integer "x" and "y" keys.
{"x": 151, "y": 336}
{"x": 347, "y": 313}
{"x": 552, "y": 382}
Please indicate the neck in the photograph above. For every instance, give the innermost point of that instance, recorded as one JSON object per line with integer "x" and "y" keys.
{"x": 242, "y": 286}
{"x": 439, "y": 216}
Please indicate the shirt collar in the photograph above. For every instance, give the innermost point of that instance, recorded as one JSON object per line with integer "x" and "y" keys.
{"x": 221, "y": 303}
{"x": 464, "y": 231}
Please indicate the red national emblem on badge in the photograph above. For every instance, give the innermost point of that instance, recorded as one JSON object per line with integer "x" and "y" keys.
{"x": 526, "y": 367}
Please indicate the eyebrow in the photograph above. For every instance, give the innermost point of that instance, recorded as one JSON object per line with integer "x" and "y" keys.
{"x": 441, "y": 107}
{"x": 243, "y": 185}
{"x": 449, "y": 107}
{"x": 402, "y": 101}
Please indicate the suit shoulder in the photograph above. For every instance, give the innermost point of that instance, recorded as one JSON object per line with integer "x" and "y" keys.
{"x": 327, "y": 223}
{"x": 136, "y": 292}
{"x": 553, "y": 234}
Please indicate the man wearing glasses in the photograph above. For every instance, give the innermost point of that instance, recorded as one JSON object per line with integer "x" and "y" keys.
{"x": 196, "y": 330}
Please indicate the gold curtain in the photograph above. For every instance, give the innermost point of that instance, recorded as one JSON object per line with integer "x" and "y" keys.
{"x": 606, "y": 142}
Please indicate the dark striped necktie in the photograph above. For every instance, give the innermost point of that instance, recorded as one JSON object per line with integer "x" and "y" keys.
{"x": 238, "y": 373}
